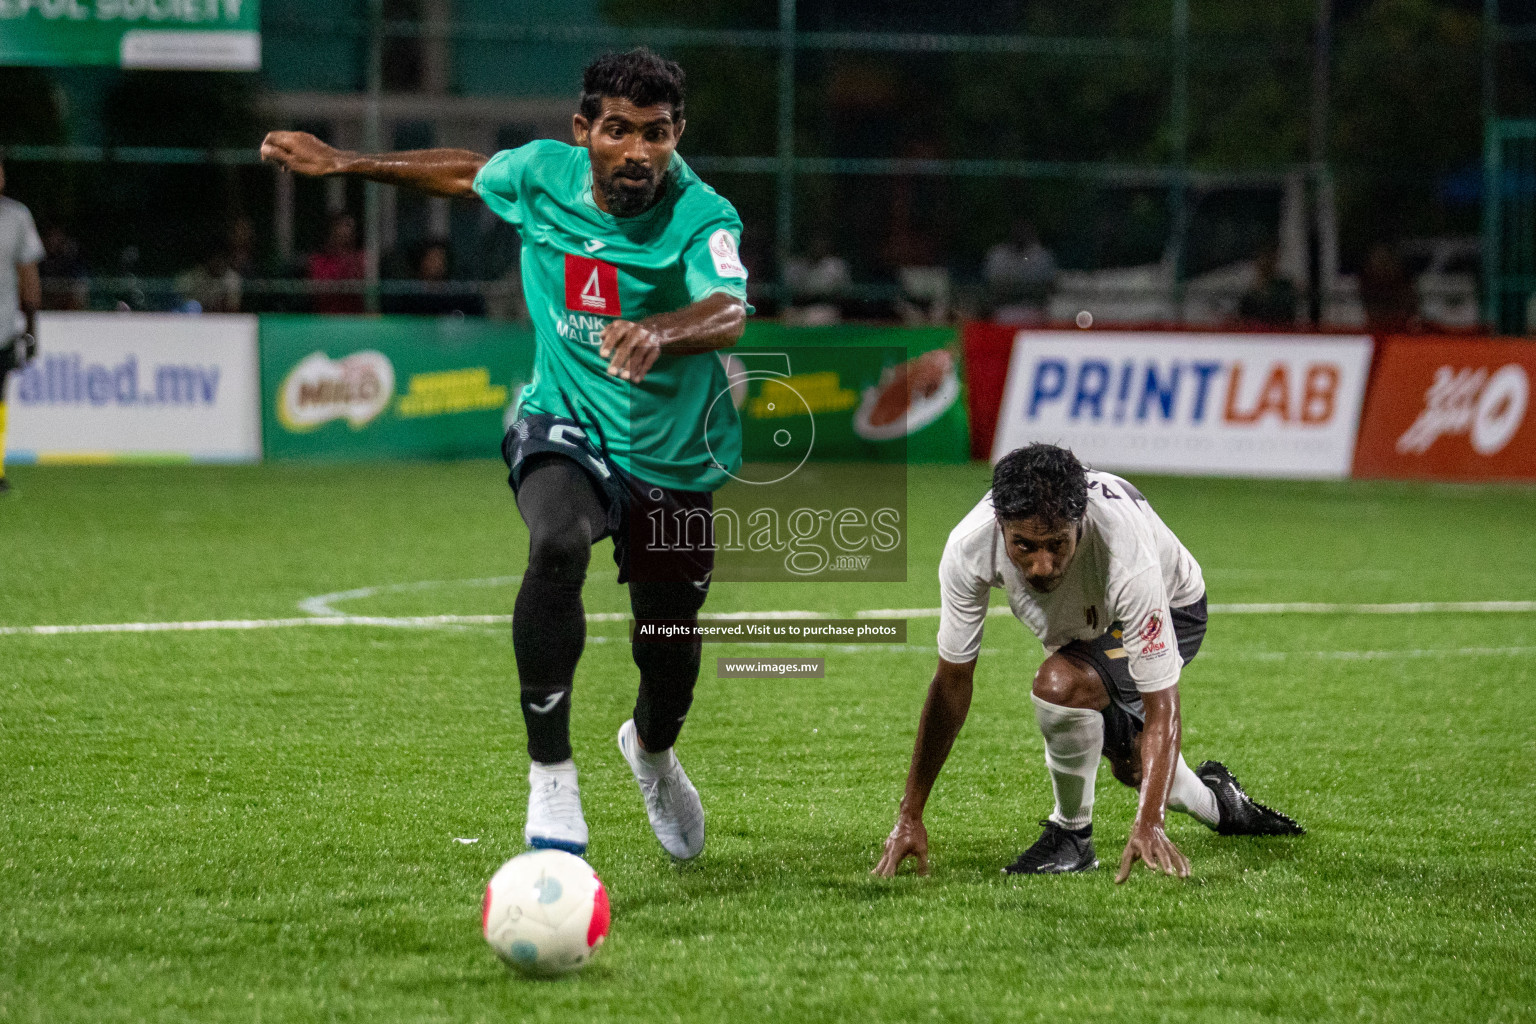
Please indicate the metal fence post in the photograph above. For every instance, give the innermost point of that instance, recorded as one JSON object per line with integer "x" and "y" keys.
{"x": 1179, "y": 199}
{"x": 784, "y": 206}
{"x": 1321, "y": 275}
{"x": 372, "y": 139}
{"x": 1493, "y": 194}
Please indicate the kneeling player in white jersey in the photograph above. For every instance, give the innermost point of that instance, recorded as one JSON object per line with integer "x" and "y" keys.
{"x": 1119, "y": 604}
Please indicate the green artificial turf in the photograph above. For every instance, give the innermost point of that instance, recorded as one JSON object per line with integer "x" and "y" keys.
{"x": 261, "y": 825}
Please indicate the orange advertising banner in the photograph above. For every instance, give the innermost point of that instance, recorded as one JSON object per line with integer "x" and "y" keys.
{"x": 1449, "y": 409}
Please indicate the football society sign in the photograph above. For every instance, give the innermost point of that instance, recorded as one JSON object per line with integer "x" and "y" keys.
{"x": 1217, "y": 404}
{"x": 206, "y": 35}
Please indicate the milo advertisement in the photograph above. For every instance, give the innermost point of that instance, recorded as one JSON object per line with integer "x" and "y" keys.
{"x": 341, "y": 387}
{"x": 338, "y": 387}
{"x": 848, "y": 393}
{"x": 830, "y": 419}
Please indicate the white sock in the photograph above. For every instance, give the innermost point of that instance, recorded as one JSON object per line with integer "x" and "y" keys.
{"x": 654, "y": 764}
{"x": 564, "y": 769}
{"x": 1193, "y": 797}
{"x": 1074, "y": 741}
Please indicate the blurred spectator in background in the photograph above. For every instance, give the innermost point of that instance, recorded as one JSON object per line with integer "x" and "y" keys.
{"x": 339, "y": 260}
{"x": 65, "y": 275}
{"x": 212, "y": 286}
{"x": 819, "y": 283}
{"x": 240, "y": 247}
{"x": 1020, "y": 274}
{"x": 1386, "y": 291}
{"x": 438, "y": 296}
{"x": 1271, "y": 299}
{"x": 216, "y": 285}
{"x": 913, "y": 247}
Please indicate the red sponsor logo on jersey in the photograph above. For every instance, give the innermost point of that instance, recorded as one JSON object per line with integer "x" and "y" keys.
{"x": 1151, "y": 634}
{"x": 591, "y": 286}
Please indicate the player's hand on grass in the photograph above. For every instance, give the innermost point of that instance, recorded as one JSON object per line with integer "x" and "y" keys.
{"x": 908, "y": 839}
{"x": 301, "y": 153}
{"x": 631, "y": 350}
{"x": 1151, "y": 845}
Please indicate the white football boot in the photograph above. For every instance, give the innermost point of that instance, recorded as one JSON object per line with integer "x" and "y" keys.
{"x": 554, "y": 809}
{"x": 671, "y": 802}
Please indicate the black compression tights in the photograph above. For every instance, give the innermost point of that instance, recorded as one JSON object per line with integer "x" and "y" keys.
{"x": 561, "y": 507}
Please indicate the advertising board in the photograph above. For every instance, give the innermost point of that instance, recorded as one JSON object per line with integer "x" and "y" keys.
{"x": 138, "y": 386}
{"x": 1202, "y": 404}
{"x": 1450, "y": 409}
{"x": 864, "y": 393}
{"x": 342, "y": 387}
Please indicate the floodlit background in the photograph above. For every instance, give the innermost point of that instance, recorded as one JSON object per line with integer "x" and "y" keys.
{"x": 1156, "y": 159}
{"x": 260, "y": 746}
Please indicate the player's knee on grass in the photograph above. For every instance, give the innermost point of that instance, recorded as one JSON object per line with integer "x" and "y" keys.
{"x": 1061, "y": 681}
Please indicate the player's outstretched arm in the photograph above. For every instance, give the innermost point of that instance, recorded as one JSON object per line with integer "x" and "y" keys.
{"x": 632, "y": 347}
{"x": 1149, "y": 843}
{"x": 944, "y": 712}
{"x": 438, "y": 172}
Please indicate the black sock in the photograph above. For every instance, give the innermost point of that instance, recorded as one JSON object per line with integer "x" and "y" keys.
{"x": 668, "y": 672}
{"x": 549, "y": 626}
{"x": 549, "y": 630}
{"x": 668, "y": 668}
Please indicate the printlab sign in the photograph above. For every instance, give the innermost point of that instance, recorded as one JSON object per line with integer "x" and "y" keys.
{"x": 1201, "y": 404}
{"x": 205, "y": 35}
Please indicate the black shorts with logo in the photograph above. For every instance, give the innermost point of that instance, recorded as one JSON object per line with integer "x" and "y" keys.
{"x": 1126, "y": 715}
{"x": 659, "y": 533}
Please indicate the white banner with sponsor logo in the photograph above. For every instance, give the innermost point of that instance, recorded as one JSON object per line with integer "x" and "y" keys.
{"x": 1260, "y": 405}
{"x": 134, "y": 386}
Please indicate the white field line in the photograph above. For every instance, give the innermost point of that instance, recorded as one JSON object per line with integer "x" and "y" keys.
{"x": 420, "y": 621}
{"x": 384, "y": 621}
{"x": 1426, "y": 652}
{"x": 1275, "y": 608}
{"x": 451, "y": 621}
{"x": 321, "y": 606}
{"x": 321, "y": 612}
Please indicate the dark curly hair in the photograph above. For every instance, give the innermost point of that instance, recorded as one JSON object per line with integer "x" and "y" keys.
{"x": 640, "y": 76}
{"x": 1040, "y": 481}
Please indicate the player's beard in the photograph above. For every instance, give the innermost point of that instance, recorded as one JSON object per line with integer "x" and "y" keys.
{"x": 633, "y": 198}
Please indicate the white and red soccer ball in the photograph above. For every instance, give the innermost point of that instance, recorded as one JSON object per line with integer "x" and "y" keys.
{"x": 545, "y": 912}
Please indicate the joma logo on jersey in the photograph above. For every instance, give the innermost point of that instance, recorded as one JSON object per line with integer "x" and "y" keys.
{"x": 591, "y": 286}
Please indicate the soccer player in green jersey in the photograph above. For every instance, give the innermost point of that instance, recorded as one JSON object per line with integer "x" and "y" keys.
{"x": 632, "y": 278}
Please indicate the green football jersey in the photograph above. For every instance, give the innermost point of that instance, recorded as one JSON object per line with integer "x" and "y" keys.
{"x": 582, "y": 269}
